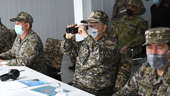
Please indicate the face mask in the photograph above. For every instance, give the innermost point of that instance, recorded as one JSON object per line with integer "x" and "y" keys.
{"x": 157, "y": 61}
{"x": 18, "y": 29}
{"x": 155, "y": 1}
{"x": 93, "y": 32}
{"x": 78, "y": 38}
{"x": 129, "y": 12}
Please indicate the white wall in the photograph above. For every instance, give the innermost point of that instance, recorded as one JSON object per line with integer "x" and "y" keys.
{"x": 50, "y": 16}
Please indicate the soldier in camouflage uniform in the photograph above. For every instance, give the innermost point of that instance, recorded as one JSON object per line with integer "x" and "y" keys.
{"x": 27, "y": 49}
{"x": 7, "y": 38}
{"x": 120, "y": 8}
{"x": 97, "y": 58}
{"x": 153, "y": 77}
{"x": 129, "y": 31}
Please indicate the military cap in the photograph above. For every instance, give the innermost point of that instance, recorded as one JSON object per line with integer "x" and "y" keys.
{"x": 23, "y": 16}
{"x": 97, "y": 16}
{"x": 157, "y": 35}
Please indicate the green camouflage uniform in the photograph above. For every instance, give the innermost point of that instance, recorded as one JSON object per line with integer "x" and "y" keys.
{"x": 27, "y": 51}
{"x": 129, "y": 31}
{"x": 146, "y": 82}
{"x": 7, "y": 38}
{"x": 96, "y": 63}
{"x": 120, "y": 6}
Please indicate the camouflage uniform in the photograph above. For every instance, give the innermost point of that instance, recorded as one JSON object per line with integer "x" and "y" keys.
{"x": 146, "y": 82}
{"x": 27, "y": 51}
{"x": 129, "y": 31}
{"x": 120, "y": 6}
{"x": 7, "y": 38}
{"x": 96, "y": 63}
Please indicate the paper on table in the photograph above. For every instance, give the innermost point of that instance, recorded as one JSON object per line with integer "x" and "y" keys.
{"x": 11, "y": 85}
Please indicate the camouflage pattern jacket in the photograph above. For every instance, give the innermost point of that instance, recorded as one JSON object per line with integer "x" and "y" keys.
{"x": 26, "y": 52}
{"x": 130, "y": 32}
{"x": 96, "y": 63}
{"x": 146, "y": 82}
{"x": 7, "y": 38}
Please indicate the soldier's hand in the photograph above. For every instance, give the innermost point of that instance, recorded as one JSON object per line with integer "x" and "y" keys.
{"x": 123, "y": 49}
{"x": 82, "y": 31}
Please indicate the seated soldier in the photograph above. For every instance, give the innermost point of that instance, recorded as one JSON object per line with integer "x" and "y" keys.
{"x": 27, "y": 49}
{"x": 7, "y": 38}
{"x": 153, "y": 77}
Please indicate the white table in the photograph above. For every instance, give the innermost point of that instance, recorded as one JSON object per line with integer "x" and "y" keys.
{"x": 15, "y": 88}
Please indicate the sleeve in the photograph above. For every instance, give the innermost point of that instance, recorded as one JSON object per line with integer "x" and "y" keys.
{"x": 124, "y": 73}
{"x": 70, "y": 46}
{"x": 29, "y": 51}
{"x": 7, "y": 55}
{"x": 130, "y": 89}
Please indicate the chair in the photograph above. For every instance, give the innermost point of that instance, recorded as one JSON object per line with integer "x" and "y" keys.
{"x": 54, "y": 57}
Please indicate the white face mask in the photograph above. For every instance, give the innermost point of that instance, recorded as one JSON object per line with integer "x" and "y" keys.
{"x": 78, "y": 38}
{"x": 93, "y": 32}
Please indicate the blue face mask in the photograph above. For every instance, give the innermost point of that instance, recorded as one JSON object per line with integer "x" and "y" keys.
{"x": 18, "y": 29}
{"x": 155, "y": 1}
{"x": 93, "y": 32}
{"x": 157, "y": 61}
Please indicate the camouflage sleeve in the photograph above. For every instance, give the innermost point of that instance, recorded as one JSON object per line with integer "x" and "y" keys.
{"x": 70, "y": 46}
{"x": 130, "y": 89}
{"x": 7, "y": 55}
{"x": 124, "y": 73}
{"x": 139, "y": 38}
{"x": 31, "y": 51}
{"x": 115, "y": 9}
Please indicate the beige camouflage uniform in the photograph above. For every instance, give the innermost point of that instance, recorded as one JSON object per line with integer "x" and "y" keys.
{"x": 96, "y": 63}
{"x": 27, "y": 52}
{"x": 146, "y": 82}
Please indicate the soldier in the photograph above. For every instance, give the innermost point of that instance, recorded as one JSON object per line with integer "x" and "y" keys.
{"x": 129, "y": 31}
{"x": 7, "y": 37}
{"x": 152, "y": 79}
{"x": 97, "y": 58}
{"x": 120, "y": 8}
{"x": 27, "y": 49}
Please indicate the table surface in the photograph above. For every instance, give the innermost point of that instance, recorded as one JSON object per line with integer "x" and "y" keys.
{"x": 16, "y": 88}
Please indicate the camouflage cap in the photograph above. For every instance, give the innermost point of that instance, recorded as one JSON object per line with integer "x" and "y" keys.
{"x": 97, "y": 16}
{"x": 23, "y": 16}
{"x": 157, "y": 35}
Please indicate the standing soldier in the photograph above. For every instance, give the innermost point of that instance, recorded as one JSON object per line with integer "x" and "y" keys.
{"x": 129, "y": 31}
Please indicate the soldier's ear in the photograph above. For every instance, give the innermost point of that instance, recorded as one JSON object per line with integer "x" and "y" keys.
{"x": 27, "y": 25}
